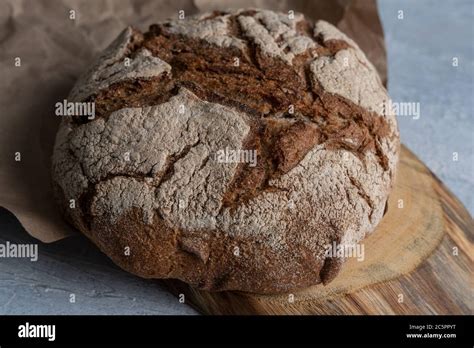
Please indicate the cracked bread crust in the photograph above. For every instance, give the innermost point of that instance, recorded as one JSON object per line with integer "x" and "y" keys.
{"x": 145, "y": 173}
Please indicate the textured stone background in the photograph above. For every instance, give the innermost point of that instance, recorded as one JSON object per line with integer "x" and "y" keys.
{"x": 420, "y": 52}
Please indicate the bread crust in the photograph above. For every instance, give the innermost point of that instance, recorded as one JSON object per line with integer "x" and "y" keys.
{"x": 151, "y": 191}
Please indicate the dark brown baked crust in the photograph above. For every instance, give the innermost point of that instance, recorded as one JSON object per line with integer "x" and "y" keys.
{"x": 264, "y": 88}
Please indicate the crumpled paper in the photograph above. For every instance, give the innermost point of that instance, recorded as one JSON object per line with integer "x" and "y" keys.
{"x": 46, "y": 44}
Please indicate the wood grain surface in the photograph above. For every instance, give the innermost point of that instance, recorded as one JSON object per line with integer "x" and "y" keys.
{"x": 418, "y": 261}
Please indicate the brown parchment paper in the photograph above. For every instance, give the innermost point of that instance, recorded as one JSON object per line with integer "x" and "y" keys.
{"x": 54, "y": 49}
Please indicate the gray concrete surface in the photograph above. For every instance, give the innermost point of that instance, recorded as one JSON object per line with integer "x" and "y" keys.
{"x": 421, "y": 48}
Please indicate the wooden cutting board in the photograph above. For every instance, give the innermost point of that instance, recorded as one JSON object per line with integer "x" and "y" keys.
{"x": 418, "y": 261}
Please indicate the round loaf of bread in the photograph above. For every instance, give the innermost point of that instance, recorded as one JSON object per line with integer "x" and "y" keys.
{"x": 228, "y": 150}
